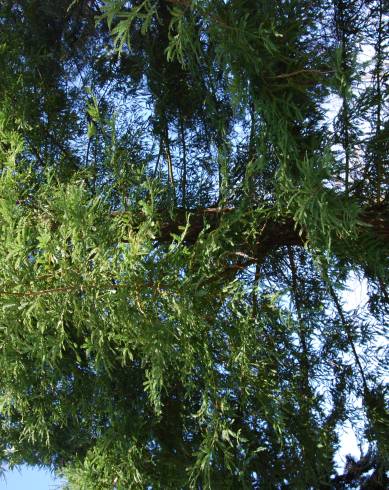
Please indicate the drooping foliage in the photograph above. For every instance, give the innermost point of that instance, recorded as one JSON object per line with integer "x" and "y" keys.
{"x": 188, "y": 189}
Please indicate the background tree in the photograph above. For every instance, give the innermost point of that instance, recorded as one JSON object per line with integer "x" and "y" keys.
{"x": 180, "y": 219}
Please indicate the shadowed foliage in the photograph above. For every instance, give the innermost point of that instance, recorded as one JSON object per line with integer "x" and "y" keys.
{"x": 188, "y": 190}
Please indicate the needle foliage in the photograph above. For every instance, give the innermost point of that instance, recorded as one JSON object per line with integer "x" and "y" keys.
{"x": 188, "y": 189}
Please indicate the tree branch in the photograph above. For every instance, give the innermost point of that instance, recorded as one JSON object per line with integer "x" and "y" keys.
{"x": 274, "y": 233}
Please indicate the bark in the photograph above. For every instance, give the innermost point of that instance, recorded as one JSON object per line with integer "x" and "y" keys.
{"x": 272, "y": 235}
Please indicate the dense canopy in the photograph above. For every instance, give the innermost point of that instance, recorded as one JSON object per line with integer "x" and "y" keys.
{"x": 188, "y": 188}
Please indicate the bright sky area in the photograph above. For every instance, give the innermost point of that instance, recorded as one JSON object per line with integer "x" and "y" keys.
{"x": 29, "y": 478}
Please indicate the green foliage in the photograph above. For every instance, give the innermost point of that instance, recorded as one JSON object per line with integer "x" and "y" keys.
{"x": 179, "y": 222}
{"x": 314, "y": 207}
{"x": 144, "y": 13}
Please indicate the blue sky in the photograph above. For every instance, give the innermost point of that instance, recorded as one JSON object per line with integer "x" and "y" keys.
{"x": 28, "y": 478}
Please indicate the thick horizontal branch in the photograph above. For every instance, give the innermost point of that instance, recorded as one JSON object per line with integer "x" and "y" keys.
{"x": 272, "y": 235}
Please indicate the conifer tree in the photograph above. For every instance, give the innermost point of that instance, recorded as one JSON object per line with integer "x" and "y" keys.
{"x": 181, "y": 216}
